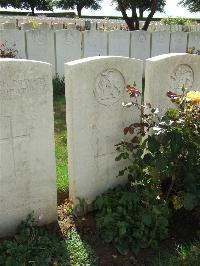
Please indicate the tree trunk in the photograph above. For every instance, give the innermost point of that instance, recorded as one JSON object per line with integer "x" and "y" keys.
{"x": 150, "y": 16}
{"x": 79, "y": 9}
{"x": 141, "y": 13}
{"x": 32, "y": 10}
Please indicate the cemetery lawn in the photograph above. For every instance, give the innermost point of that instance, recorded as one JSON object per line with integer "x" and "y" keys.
{"x": 61, "y": 144}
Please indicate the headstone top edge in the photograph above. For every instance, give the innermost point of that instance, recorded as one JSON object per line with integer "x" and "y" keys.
{"x": 101, "y": 58}
{"x": 168, "y": 56}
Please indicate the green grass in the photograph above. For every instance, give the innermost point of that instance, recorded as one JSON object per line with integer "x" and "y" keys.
{"x": 80, "y": 253}
{"x": 185, "y": 255}
{"x": 61, "y": 143}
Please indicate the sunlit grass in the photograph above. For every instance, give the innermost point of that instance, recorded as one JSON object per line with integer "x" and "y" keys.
{"x": 61, "y": 143}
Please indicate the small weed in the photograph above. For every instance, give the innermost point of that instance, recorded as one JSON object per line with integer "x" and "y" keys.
{"x": 186, "y": 255}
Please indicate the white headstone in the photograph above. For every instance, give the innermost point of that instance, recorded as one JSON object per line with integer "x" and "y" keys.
{"x": 178, "y": 42}
{"x": 94, "y": 43}
{"x": 40, "y": 46}
{"x": 95, "y": 90}
{"x": 27, "y": 26}
{"x": 43, "y": 26}
{"x": 14, "y": 39}
{"x": 119, "y": 43}
{"x": 140, "y": 44}
{"x": 169, "y": 73}
{"x": 68, "y": 48}
{"x": 27, "y": 158}
{"x": 194, "y": 40}
{"x": 8, "y": 26}
{"x": 160, "y": 43}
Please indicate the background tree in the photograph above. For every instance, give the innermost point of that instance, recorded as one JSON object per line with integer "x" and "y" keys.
{"x": 138, "y": 7}
{"x": 28, "y": 4}
{"x": 78, "y": 4}
{"x": 191, "y": 5}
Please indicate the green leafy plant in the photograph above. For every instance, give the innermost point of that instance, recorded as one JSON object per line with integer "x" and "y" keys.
{"x": 33, "y": 245}
{"x": 163, "y": 155}
{"x": 176, "y": 21}
{"x": 58, "y": 86}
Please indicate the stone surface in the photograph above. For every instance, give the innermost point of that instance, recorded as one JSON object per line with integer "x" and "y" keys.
{"x": 27, "y": 157}
{"x": 140, "y": 44}
{"x": 160, "y": 43}
{"x": 68, "y": 48}
{"x": 14, "y": 39}
{"x": 119, "y": 43}
{"x": 194, "y": 40}
{"x": 94, "y": 43}
{"x": 8, "y": 26}
{"x": 178, "y": 42}
{"x": 96, "y": 119}
{"x": 169, "y": 73}
{"x": 40, "y": 46}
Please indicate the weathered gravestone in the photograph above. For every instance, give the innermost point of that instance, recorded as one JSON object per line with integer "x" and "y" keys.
{"x": 169, "y": 73}
{"x": 94, "y": 43}
{"x": 27, "y": 162}
{"x": 40, "y": 46}
{"x": 178, "y": 43}
{"x": 160, "y": 43}
{"x": 68, "y": 48}
{"x": 95, "y": 90}
{"x": 119, "y": 43}
{"x": 140, "y": 44}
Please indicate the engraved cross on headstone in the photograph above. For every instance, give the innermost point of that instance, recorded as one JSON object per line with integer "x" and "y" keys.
{"x": 6, "y": 135}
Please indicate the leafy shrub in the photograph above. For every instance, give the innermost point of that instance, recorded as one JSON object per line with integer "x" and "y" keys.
{"x": 176, "y": 21}
{"x": 132, "y": 217}
{"x": 6, "y": 52}
{"x": 163, "y": 172}
{"x": 58, "y": 86}
{"x": 33, "y": 245}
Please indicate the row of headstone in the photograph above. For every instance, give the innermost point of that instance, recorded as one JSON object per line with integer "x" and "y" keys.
{"x": 67, "y": 45}
{"x": 95, "y": 122}
{"x": 96, "y": 118}
{"x": 85, "y": 24}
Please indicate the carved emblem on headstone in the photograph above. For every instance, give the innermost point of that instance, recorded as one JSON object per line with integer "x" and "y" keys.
{"x": 183, "y": 75}
{"x": 109, "y": 88}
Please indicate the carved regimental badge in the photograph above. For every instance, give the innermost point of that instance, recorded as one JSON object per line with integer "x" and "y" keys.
{"x": 109, "y": 87}
{"x": 183, "y": 75}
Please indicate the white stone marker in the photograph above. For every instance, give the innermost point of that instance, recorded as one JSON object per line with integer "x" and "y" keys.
{"x": 14, "y": 39}
{"x": 68, "y": 48}
{"x": 194, "y": 40}
{"x": 140, "y": 44}
{"x": 8, "y": 26}
{"x": 178, "y": 42}
{"x": 169, "y": 73}
{"x": 160, "y": 43}
{"x": 27, "y": 26}
{"x": 27, "y": 158}
{"x": 40, "y": 46}
{"x": 95, "y": 90}
{"x": 94, "y": 43}
{"x": 119, "y": 43}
